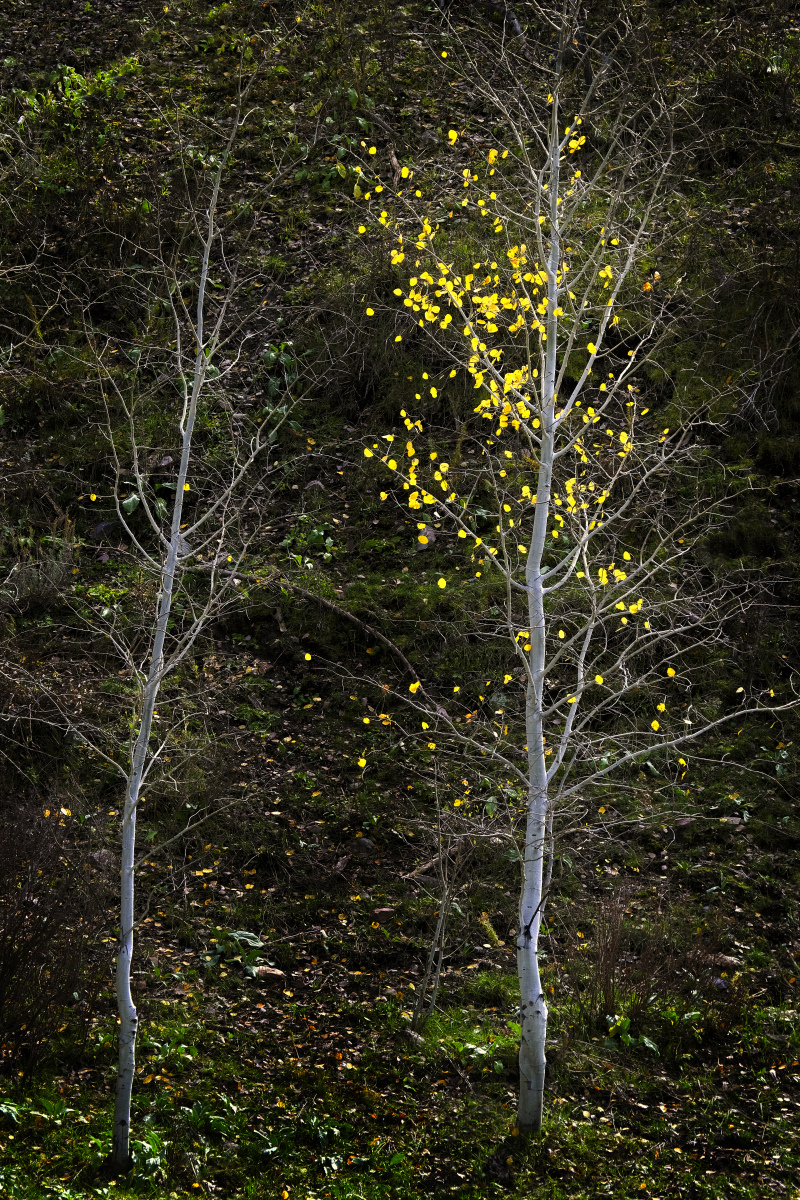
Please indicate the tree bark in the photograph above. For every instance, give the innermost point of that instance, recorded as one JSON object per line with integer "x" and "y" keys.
{"x": 120, "y": 1145}
{"x": 533, "y": 1006}
{"x": 120, "y": 1157}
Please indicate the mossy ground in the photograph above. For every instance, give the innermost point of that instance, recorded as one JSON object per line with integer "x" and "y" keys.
{"x": 313, "y": 1086}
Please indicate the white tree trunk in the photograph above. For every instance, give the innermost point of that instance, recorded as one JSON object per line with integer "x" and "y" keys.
{"x": 120, "y": 1158}
{"x": 129, "y": 1021}
{"x": 533, "y": 1009}
{"x": 532, "y": 1004}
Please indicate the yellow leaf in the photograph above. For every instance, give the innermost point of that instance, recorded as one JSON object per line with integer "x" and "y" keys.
{"x": 654, "y": 725}
{"x": 442, "y": 583}
{"x": 367, "y": 452}
{"x": 412, "y": 687}
{"x": 186, "y": 487}
{"x": 370, "y": 312}
{"x": 598, "y": 678}
{"x": 592, "y": 348}
{"x": 670, "y": 672}
{"x": 362, "y": 762}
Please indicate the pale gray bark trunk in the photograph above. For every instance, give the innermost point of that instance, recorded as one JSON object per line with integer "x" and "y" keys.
{"x": 120, "y": 1148}
{"x": 533, "y": 1006}
{"x": 120, "y": 1158}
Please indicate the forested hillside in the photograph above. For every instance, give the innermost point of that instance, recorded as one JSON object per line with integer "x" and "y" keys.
{"x": 217, "y": 325}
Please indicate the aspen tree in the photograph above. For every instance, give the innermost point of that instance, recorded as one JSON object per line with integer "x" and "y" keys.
{"x": 186, "y": 554}
{"x": 168, "y": 343}
{"x": 170, "y": 556}
{"x": 609, "y": 614}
